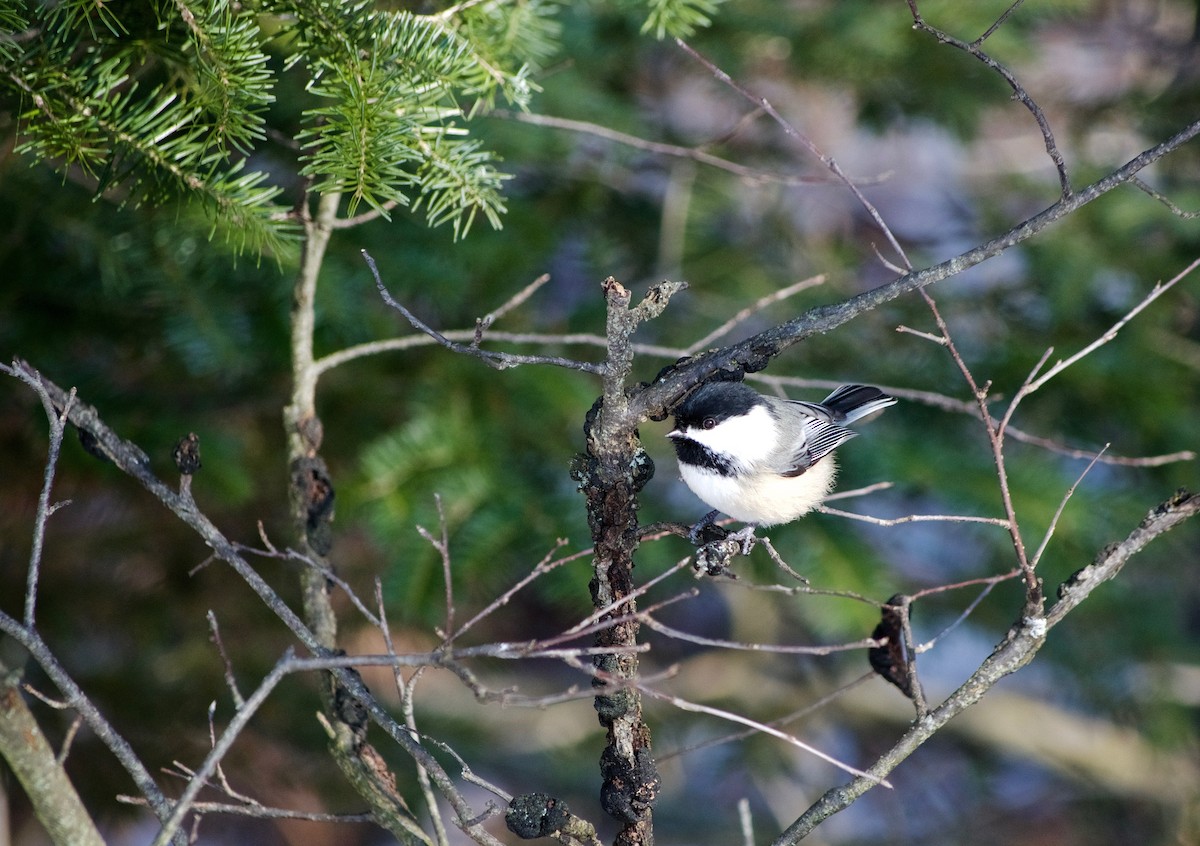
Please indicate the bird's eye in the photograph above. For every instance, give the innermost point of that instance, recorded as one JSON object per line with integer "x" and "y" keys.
{"x": 708, "y": 422}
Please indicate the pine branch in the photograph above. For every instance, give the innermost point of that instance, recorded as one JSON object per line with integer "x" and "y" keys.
{"x": 388, "y": 136}
{"x": 89, "y": 102}
{"x": 679, "y": 18}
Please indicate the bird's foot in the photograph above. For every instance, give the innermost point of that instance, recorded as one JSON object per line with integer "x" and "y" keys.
{"x": 705, "y": 527}
{"x": 714, "y": 556}
{"x": 746, "y": 537}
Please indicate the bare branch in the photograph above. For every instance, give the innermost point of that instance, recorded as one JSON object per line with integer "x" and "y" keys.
{"x": 1157, "y": 291}
{"x": 995, "y": 433}
{"x": 1018, "y": 91}
{"x": 1017, "y": 649}
{"x": 751, "y": 310}
{"x": 1037, "y": 556}
{"x": 659, "y": 148}
{"x": 787, "y": 719}
{"x": 830, "y": 164}
{"x": 544, "y": 566}
{"x": 1143, "y": 186}
{"x": 914, "y": 518}
{"x": 230, "y": 680}
{"x": 747, "y": 646}
{"x": 58, "y": 424}
{"x": 441, "y": 545}
{"x": 498, "y": 360}
{"x": 764, "y": 728}
{"x": 484, "y": 323}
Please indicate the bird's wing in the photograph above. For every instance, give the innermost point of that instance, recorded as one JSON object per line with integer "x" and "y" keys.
{"x": 818, "y": 437}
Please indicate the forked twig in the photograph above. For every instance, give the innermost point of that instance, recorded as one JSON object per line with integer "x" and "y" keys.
{"x": 498, "y": 360}
{"x": 829, "y": 162}
{"x": 1018, "y": 91}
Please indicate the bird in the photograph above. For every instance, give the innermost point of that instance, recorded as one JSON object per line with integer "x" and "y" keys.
{"x": 762, "y": 460}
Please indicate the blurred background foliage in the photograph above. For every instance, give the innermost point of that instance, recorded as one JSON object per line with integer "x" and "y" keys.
{"x": 168, "y": 330}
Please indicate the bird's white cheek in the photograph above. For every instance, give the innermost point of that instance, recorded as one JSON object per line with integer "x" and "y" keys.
{"x": 749, "y": 437}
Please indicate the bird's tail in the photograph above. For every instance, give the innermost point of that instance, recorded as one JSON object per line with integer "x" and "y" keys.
{"x": 854, "y": 402}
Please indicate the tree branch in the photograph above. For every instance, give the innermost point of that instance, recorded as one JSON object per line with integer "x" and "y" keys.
{"x": 134, "y": 462}
{"x": 753, "y": 354}
{"x": 55, "y": 802}
{"x": 1017, "y": 649}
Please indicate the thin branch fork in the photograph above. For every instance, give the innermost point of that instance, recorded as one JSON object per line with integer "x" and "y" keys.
{"x": 1018, "y": 91}
{"x": 498, "y": 360}
{"x": 829, "y": 162}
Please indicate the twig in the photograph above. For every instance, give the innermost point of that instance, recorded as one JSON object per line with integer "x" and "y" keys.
{"x": 779, "y": 562}
{"x": 961, "y": 618}
{"x": 1156, "y": 292}
{"x": 751, "y": 310}
{"x": 692, "y": 153}
{"x": 999, "y": 22}
{"x": 230, "y": 680}
{"x": 626, "y": 599}
{"x": 544, "y": 566}
{"x": 498, "y": 360}
{"x": 781, "y": 649}
{"x": 697, "y": 708}
{"x": 810, "y": 708}
{"x": 408, "y": 699}
{"x": 484, "y": 323}
{"x": 746, "y": 821}
{"x": 1100, "y": 456}
{"x": 828, "y": 161}
{"x": 914, "y": 518}
{"x": 1019, "y": 92}
{"x": 68, "y": 740}
{"x": 1175, "y": 210}
{"x": 995, "y": 434}
{"x": 58, "y": 425}
{"x": 408, "y": 342}
{"x": 258, "y": 811}
{"x": 1037, "y": 556}
{"x": 441, "y": 545}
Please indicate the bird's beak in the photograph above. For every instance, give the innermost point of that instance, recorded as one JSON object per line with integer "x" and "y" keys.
{"x": 675, "y": 433}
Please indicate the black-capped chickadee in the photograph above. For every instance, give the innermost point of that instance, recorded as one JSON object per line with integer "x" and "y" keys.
{"x": 760, "y": 459}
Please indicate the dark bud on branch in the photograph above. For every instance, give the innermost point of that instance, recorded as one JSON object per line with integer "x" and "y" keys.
{"x": 187, "y": 454}
{"x": 533, "y": 815}
{"x": 891, "y": 659}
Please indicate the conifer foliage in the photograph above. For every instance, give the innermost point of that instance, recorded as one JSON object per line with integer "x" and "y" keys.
{"x": 150, "y": 102}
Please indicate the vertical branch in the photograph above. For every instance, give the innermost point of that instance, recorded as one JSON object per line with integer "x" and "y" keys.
{"x": 58, "y": 425}
{"x": 312, "y": 499}
{"x": 1034, "y": 598}
{"x": 311, "y": 488}
{"x": 611, "y": 473}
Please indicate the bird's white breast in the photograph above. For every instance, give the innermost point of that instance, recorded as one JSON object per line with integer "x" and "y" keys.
{"x": 764, "y": 498}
